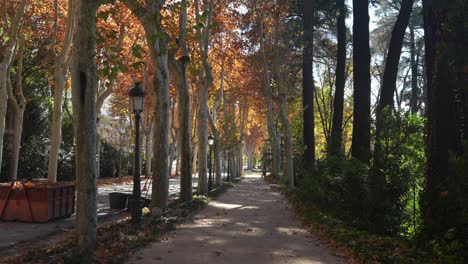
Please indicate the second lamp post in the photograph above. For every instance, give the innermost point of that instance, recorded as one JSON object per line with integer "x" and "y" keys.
{"x": 137, "y": 96}
{"x": 210, "y": 164}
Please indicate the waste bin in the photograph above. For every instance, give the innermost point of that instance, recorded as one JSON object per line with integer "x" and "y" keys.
{"x": 118, "y": 200}
{"x": 143, "y": 201}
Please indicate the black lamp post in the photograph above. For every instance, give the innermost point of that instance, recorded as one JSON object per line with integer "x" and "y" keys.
{"x": 228, "y": 156}
{"x": 210, "y": 163}
{"x": 137, "y": 96}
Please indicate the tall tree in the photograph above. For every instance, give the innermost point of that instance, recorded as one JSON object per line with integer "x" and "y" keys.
{"x": 361, "y": 75}
{"x": 60, "y": 80}
{"x": 18, "y": 103}
{"x": 179, "y": 67}
{"x": 447, "y": 113}
{"x": 393, "y": 56}
{"x": 8, "y": 55}
{"x": 338, "y": 100}
{"x": 377, "y": 178}
{"x": 308, "y": 83}
{"x": 272, "y": 133}
{"x": 282, "y": 91}
{"x": 157, "y": 40}
{"x": 414, "y": 61}
{"x": 205, "y": 81}
{"x": 84, "y": 87}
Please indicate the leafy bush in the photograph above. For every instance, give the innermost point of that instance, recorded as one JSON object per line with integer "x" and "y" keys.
{"x": 397, "y": 173}
{"x": 346, "y": 188}
{"x": 109, "y": 161}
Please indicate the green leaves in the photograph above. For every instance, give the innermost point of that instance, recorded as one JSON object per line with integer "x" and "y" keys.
{"x": 137, "y": 51}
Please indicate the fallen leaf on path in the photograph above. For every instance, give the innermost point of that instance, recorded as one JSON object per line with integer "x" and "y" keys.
{"x": 250, "y": 230}
{"x": 157, "y": 258}
{"x": 218, "y": 253}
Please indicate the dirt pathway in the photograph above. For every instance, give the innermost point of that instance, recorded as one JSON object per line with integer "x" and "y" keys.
{"x": 248, "y": 224}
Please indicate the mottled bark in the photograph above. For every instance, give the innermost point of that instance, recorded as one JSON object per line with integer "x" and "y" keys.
{"x": 84, "y": 87}
{"x": 60, "y": 80}
{"x": 18, "y": 103}
{"x": 205, "y": 81}
{"x": 4, "y": 68}
{"x": 202, "y": 134}
{"x": 362, "y": 86}
{"x": 150, "y": 17}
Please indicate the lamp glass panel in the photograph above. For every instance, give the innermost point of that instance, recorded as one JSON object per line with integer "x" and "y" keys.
{"x": 138, "y": 102}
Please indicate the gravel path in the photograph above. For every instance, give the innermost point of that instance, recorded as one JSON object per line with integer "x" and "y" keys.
{"x": 250, "y": 223}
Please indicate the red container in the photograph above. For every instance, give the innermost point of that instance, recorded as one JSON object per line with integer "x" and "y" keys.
{"x": 36, "y": 203}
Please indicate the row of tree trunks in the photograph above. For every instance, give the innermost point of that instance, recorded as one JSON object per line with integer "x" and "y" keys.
{"x": 272, "y": 133}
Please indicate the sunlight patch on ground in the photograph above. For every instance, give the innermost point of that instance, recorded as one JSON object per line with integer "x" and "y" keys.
{"x": 291, "y": 230}
{"x": 226, "y": 205}
{"x": 249, "y": 207}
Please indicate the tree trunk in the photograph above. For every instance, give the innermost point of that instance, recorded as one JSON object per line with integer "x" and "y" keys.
{"x": 206, "y": 80}
{"x": 393, "y": 56}
{"x": 272, "y": 133}
{"x": 447, "y": 117}
{"x": 414, "y": 74}
{"x": 84, "y": 87}
{"x": 308, "y": 84}
{"x": 4, "y": 68}
{"x": 384, "y": 108}
{"x": 18, "y": 102}
{"x": 148, "y": 149}
{"x": 336, "y": 148}
{"x": 150, "y": 17}
{"x": 60, "y": 80}
{"x": 289, "y": 169}
{"x": 18, "y": 129}
{"x": 202, "y": 132}
{"x": 361, "y": 74}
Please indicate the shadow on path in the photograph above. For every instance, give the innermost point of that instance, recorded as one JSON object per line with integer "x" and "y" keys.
{"x": 250, "y": 223}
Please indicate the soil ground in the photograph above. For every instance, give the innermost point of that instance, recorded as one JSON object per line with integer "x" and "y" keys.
{"x": 250, "y": 223}
{"x": 16, "y": 237}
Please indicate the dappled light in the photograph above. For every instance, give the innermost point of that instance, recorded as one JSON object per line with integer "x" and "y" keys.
{"x": 233, "y": 131}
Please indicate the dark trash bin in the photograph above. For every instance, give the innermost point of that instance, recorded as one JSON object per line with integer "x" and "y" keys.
{"x": 118, "y": 200}
{"x": 144, "y": 202}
